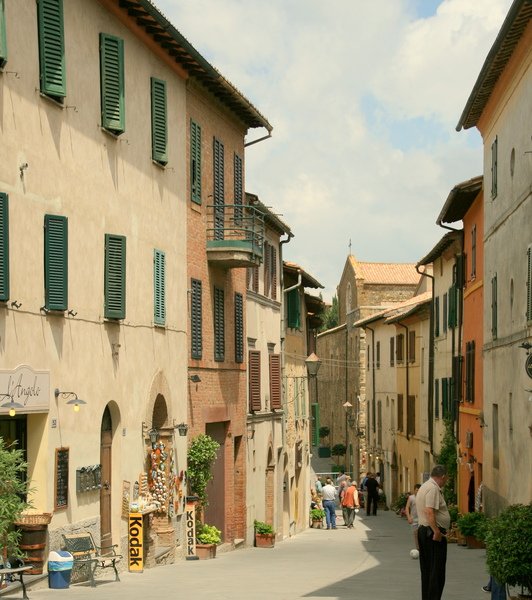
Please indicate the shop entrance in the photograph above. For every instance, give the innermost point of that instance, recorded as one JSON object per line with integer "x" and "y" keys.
{"x": 215, "y": 511}
{"x": 106, "y": 440}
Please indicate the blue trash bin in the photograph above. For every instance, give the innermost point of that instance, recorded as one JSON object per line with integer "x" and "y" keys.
{"x": 60, "y": 564}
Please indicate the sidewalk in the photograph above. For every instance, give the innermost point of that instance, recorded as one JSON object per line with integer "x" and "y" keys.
{"x": 372, "y": 560}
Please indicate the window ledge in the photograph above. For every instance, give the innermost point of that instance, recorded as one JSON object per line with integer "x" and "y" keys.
{"x": 161, "y": 166}
{"x": 53, "y": 101}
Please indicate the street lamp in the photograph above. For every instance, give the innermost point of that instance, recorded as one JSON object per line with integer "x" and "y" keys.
{"x": 313, "y": 365}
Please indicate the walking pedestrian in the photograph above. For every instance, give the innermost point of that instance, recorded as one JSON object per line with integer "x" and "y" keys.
{"x": 411, "y": 513}
{"x": 372, "y": 487}
{"x": 434, "y": 520}
{"x": 349, "y": 504}
{"x": 328, "y": 494}
{"x": 318, "y": 485}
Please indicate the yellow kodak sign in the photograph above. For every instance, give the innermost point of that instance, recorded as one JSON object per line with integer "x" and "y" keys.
{"x": 136, "y": 543}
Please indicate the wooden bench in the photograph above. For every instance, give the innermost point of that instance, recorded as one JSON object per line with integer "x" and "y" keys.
{"x": 88, "y": 555}
{"x": 12, "y": 573}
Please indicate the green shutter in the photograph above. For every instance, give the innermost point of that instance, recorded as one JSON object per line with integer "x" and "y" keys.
{"x": 239, "y": 187}
{"x": 437, "y": 316}
{"x": 112, "y": 83}
{"x": 445, "y": 397}
{"x": 3, "y": 37}
{"x": 115, "y": 277}
{"x": 56, "y": 262}
{"x": 315, "y": 424}
{"x": 52, "y": 48}
{"x": 219, "y": 325}
{"x": 218, "y": 189}
{"x": 239, "y": 328}
{"x": 494, "y": 168}
{"x": 4, "y": 247}
{"x": 159, "y": 125}
{"x": 529, "y": 285}
{"x": 453, "y": 306}
{"x": 293, "y": 309}
{"x": 159, "y": 303}
{"x": 196, "y": 320}
{"x": 436, "y": 398}
{"x": 195, "y": 162}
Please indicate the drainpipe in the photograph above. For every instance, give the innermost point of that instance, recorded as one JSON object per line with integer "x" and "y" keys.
{"x": 430, "y": 411}
{"x": 407, "y": 376}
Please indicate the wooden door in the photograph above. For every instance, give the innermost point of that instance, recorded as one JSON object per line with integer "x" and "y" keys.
{"x": 106, "y": 441}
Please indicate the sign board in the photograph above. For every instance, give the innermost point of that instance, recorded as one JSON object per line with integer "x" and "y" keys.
{"x": 136, "y": 543}
{"x": 190, "y": 527}
{"x": 27, "y": 387}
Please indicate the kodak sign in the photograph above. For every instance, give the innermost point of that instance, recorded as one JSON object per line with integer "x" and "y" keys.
{"x": 190, "y": 523}
{"x": 136, "y": 543}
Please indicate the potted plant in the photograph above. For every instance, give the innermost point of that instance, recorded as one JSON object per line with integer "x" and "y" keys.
{"x": 508, "y": 548}
{"x": 324, "y": 451}
{"x": 264, "y": 535}
{"x": 338, "y": 450}
{"x": 400, "y": 504}
{"x": 472, "y": 525}
{"x": 200, "y": 458}
{"x": 207, "y": 538}
{"x": 453, "y": 531}
{"x": 316, "y": 517}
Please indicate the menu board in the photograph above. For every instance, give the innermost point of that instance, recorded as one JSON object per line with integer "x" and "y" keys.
{"x": 61, "y": 478}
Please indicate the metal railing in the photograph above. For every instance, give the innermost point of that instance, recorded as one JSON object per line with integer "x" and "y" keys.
{"x": 235, "y": 225}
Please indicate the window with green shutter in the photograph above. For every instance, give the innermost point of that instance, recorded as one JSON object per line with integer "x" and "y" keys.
{"x": 112, "y": 83}
{"x": 4, "y": 247}
{"x": 159, "y": 292}
{"x": 218, "y": 189}
{"x": 315, "y": 424}
{"x": 445, "y": 393}
{"x": 494, "y": 307}
{"x": 196, "y": 320}
{"x": 55, "y": 262}
{"x": 494, "y": 168}
{"x": 115, "y": 277}
{"x": 453, "y": 305}
{"x": 52, "y": 48}
{"x": 293, "y": 309}
{"x": 239, "y": 328}
{"x": 3, "y": 37}
{"x": 436, "y": 398}
{"x": 437, "y": 316}
{"x": 529, "y": 284}
{"x": 159, "y": 124}
{"x": 195, "y": 162}
{"x": 219, "y": 325}
{"x": 239, "y": 187}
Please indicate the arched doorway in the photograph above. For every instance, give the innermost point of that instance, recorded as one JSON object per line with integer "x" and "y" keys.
{"x": 269, "y": 487}
{"x": 106, "y": 442}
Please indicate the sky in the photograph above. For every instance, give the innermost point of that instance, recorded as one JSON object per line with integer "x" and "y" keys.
{"x": 364, "y": 97}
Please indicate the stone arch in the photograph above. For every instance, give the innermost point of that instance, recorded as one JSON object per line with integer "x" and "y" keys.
{"x": 269, "y": 485}
{"x": 159, "y": 405}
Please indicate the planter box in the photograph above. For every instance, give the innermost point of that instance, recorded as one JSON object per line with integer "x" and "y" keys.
{"x": 317, "y": 524}
{"x": 324, "y": 452}
{"x": 473, "y": 543}
{"x": 264, "y": 540}
{"x": 205, "y": 551}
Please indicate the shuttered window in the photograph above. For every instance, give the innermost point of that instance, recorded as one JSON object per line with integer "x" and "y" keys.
{"x": 378, "y": 355}
{"x": 239, "y": 328}
{"x": 112, "y": 83}
{"x": 239, "y": 188}
{"x": 218, "y": 189}
{"x": 254, "y": 381}
{"x": 52, "y": 48}
{"x": 411, "y": 415}
{"x": 400, "y": 348}
{"x": 529, "y": 285}
{"x": 392, "y": 351}
{"x": 494, "y": 168}
{"x": 55, "y": 262}
{"x": 436, "y": 398}
{"x": 494, "y": 307}
{"x": 275, "y": 382}
{"x": 255, "y": 279}
{"x": 267, "y": 271}
{"x": 445, "y": 401}
{"x": 159, "y": 124}
{"x": 445, "y": 309}
{"x": 315, "y": 424}
{"x": 195, "y": 162}
{"x": 159, "y": 287}
{"x": 219, "y": 325}
{"x": 115, "y": 277}
{"x": 3, "y": 37}
{"x": 4, "y": 247}
{"x": 453, "y": 306}
{"x": 437, "y": 316}
{"x": 474, "y": 252}
{"x": 273, "y": 267}
{"x": 400, "y": 412}
{"x": 293, "y": 309}
{"x": 470, "y": 372}
{"x": 196, "y": 320}
{"x": 411, "y": 346}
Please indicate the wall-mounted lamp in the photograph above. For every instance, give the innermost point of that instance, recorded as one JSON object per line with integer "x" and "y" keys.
{"x": 154, "y": 434}
{"x": 11, "y": 405}
{"x": 22, "y": 168}
{"x": 251, "y": 432}
{"x": 72, "y": 313}
{"x": 182, "y": 428}
{"x": 74, "y": 400}
{"x": 313, "y": 364}
{"x": 526, "y": 346}
{"x": 195, "y": 378}
{"x": 16, "y": 304}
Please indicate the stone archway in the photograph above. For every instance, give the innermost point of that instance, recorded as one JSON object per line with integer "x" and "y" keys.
{"x": 269, "y": 487}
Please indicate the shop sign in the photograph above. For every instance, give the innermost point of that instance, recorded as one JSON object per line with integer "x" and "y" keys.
{"x": 190, "y": 523}
{"x": 27, "y": 387}
{"x": 136, "y": 543}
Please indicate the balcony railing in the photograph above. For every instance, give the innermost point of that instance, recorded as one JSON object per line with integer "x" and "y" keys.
{"x": 235, "y": 235}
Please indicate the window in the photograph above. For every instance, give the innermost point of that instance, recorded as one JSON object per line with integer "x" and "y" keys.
{"x": 315, "y": 423}
{"x": 219, "y": 325}
{"x": 412, "y": 346}
{"x": 273, "y": 269}
{"x": 51, "y": 48}
{"x": 218, "y": 189}
{"x": 529, "y": 285}
{"x": 275, "y": 382}
{"x": 473, "y": 252}
{"x": 267, "y": 270}
{"x": 494, "y": 307}
{"x": 411, "y": 415}
{"x": 159, "y": 125}
{"x": 453, "y": 306}
{"x": 3, "y": 38}
{"x": 55, "y": 262}
{"x": 254, "y": 380}
{"x": 400, "y": 348}
{"x": 112, "y": 83}
{"x": 293, "y": 309}
{"x": 400, "y": 412}
{"x": 495, "y": 449}
{"x": 239, "y": 187}
{"x": 115, "y": 277}
{"x": 445, "y": 309}
{"x": 436, "y": 398}
{"x": 494, "y": 168}
{"x": 470, "y": 372}
{"x": 392, "y": 351}
{"x": 196, "y": 320}
{"x": 378, "y": 355}
{"x": 437, "y": 316}
{"x": 195, "y": 162}
{"x": 239, "y": 328}
{"x": 159, "y": 292}
{"x": 4, "y": 247}
{"x": 445, "y": 393}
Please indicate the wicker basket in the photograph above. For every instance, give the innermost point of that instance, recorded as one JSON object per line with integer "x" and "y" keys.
{"x": 34, "y": 519}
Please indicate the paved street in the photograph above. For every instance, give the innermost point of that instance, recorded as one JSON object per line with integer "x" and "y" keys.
{"x": 372, "y": 561}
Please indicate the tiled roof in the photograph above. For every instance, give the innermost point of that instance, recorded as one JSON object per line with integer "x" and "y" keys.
{"x": 307, "y": 279}
{"x": 385, "y": 273}
{"x": 399, "y": 310}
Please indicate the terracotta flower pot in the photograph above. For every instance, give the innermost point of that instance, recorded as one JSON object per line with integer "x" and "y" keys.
{"x": 205, "y": 551}
{"x": 317, "y": 523}
{"x": 474, "y": 543}
{"x": 264, "y": 540}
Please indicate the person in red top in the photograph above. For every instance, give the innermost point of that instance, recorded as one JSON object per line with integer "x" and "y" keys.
{"x": 350, "y": 503}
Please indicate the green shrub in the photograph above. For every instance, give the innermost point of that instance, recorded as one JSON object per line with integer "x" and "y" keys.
{"x": 263, "y": 528}
{"x": 323, "y": 432}
{"x": 453, "y": 512}
{"x": 472, "y": 524}
{"x": 209, "y": 534}
{"x": 201, "y": 456}
{"x": 316, "y": 514}
{"x": 400, "y": 502}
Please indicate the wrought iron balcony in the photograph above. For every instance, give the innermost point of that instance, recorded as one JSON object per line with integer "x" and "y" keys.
{"x": 235, "y": 235}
